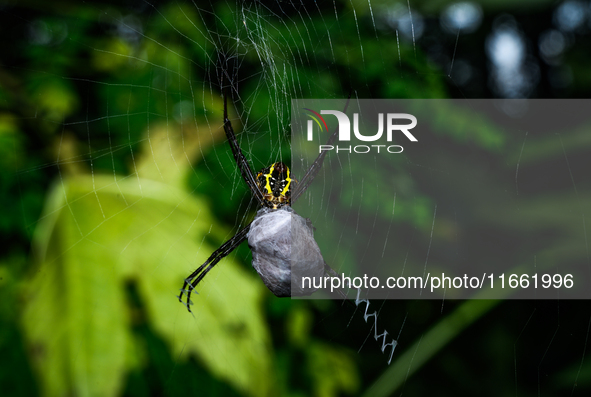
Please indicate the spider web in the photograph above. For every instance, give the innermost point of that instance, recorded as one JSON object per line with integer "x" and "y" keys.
{"x": 143, "y": 187}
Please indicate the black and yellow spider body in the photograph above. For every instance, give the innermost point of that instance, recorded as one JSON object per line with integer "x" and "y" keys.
{"x": 275, "y": 183}
{"x": 281, "y": 241}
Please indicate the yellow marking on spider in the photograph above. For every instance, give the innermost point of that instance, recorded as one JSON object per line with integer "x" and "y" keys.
{"x": 288, "y": 179}
{"x": 267, "y": 176}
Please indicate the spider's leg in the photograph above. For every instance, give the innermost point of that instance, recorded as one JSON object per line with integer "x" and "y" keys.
{"x": 311, "y": 173}
{"x": 241, "y": 161}
{"x": 195, "y": 277}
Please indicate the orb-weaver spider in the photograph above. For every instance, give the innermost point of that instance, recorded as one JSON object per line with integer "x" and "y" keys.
{"x": 282, "y": 242}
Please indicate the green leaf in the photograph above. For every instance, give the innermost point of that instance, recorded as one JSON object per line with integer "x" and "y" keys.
{"x": 332, "y": 370}
{"x": 97, "y": 235}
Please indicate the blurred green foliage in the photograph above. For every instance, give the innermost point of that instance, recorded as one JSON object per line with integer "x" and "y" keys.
{"x": 116, "y": 183}
{"x": 85, "y": 268}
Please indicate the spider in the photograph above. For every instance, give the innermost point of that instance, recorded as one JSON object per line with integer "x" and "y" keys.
{"x": 282, "y": 242}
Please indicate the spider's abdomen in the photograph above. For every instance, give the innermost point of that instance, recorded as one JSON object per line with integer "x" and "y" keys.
{"x": 284, "y": 250}
{"x": 275, "y": 183}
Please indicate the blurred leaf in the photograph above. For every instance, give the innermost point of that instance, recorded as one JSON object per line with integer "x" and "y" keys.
{"x": 299, "y": 324}
{"x": 98, "y": 234}
{"x": 55, "y": 98}
{"x": 332, "y": 370}
{"x": 113, "y": 56}
{"x": 463, "y": 124}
